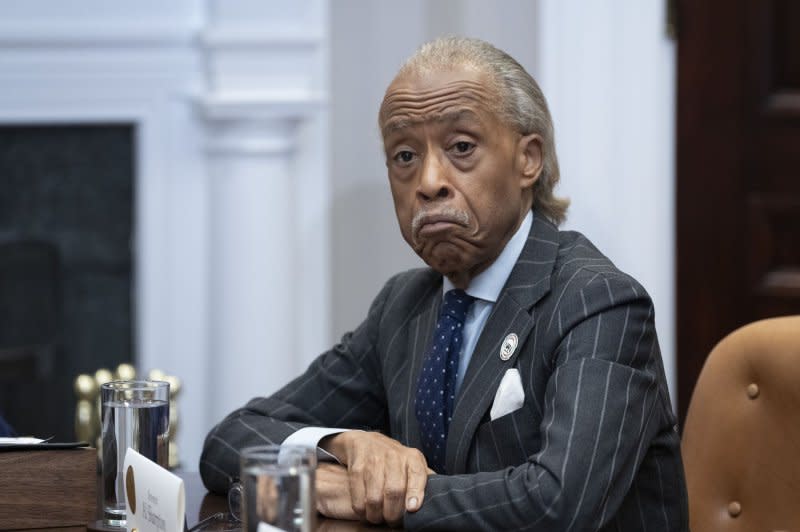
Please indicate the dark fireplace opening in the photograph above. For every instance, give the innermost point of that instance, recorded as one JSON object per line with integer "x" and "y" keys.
{"x": 66, "y": 286}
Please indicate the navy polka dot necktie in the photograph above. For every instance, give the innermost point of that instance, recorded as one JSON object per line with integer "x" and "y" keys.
{"x": 437, "y": 381}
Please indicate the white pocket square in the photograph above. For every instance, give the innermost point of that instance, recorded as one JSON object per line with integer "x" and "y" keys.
{"x": 509, "y": 396}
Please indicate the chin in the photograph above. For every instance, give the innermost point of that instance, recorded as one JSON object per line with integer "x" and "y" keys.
{"x": 445, "y": 265}
{"x": 444, "y": 257}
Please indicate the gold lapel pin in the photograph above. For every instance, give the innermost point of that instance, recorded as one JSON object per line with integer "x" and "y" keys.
{"x": 509, "y": 346}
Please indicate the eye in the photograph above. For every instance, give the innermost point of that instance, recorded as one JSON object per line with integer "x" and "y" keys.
{"x": 404, "y": 156}
{"x": 463, "y": 147}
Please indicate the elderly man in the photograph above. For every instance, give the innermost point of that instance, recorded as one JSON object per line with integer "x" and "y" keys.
{"x": 517, "y": 383}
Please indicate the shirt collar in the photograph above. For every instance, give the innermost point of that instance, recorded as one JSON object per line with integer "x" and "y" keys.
{"x": 488, "y": 284}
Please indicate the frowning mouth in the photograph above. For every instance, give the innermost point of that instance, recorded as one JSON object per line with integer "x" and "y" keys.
{"x": 428, "y": 223}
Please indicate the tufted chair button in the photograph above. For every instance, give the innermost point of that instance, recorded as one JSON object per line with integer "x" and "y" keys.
{"x": 734, "y": 509}
{"x": 752, "y": 390}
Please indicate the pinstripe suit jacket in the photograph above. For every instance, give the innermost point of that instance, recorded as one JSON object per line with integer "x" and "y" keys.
{"x": 594, "y": 447}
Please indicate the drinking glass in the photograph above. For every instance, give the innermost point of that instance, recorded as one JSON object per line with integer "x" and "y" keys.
{"x": 276, "y": 487}
{"x": 134, "y": 414}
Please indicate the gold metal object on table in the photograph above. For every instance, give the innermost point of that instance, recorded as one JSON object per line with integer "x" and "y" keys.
{"x": 125, "y": 372}
{"x": 101, "y": 376}
{"x": 174, "y": 390}
{"x": 86, "y": 416}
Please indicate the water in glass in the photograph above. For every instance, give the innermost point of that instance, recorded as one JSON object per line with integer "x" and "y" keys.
{"x": 282, "y": 496}
{"x": 142, "y": 425}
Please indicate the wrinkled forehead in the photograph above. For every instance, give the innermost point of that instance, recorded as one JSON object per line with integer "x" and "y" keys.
{"x": 434, "y": 96}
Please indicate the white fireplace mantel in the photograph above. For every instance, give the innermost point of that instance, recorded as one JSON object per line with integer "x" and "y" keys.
{"x": 228, "y": 102}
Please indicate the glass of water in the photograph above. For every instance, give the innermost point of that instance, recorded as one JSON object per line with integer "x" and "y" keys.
{"x": 276, "y": 487}
{"x": 134, "y": 414}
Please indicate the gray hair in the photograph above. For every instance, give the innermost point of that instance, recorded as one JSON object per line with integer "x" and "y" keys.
{"x": 521, "y": 104}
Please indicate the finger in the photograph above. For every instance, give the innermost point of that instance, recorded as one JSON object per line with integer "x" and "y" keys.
{"x": 333, "y": 493}
{"x": 355, "y": 477}
{"x": 374, "y": 478}
{"x": 417, "y": 478}
{"x": 326, "y": 489}
{"x": 394, "y": 493}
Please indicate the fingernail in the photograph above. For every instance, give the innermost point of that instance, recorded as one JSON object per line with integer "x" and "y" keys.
{"x": 412, "y": 503}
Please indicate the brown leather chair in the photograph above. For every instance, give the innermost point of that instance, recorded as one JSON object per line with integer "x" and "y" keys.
{"x": 741, "y": 440}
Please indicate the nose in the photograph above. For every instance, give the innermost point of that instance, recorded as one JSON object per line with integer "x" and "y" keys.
{"x": 434, "y": 182}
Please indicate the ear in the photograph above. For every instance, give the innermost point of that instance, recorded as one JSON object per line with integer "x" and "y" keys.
{"x": 529, "y": 158}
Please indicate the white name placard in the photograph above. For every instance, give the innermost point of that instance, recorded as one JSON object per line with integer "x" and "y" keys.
{"x": 155, "y": 500}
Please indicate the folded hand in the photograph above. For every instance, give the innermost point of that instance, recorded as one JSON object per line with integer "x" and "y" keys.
{"x": 384, "y": 477}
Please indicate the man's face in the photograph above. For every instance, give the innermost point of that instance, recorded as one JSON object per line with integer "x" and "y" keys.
{"x": 460, "y": 178}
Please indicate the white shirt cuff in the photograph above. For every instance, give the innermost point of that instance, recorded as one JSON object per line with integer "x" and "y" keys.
{"x": 310, "y": 437}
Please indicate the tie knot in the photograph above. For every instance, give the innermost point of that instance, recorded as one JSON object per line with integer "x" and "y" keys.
{"x": 456, "y": 304}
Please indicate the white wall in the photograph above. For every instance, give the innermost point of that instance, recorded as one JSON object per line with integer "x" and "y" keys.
{"x": 607, "y": 70}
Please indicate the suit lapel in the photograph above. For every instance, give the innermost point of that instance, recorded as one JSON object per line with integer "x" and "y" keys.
{"x": 513, "y": 313}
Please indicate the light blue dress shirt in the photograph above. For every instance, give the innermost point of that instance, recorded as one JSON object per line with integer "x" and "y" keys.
{"x": 486, "y": 288}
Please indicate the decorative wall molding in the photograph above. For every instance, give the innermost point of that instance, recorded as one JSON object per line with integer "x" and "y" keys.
{"x": 239, "y": 105}
{"x": 231, "y": 181}
{"x": 248, "y": 36}
{"x": 38, "y": 35}
{"x": 265, "y": 90}
{"x": 61, "y": 86}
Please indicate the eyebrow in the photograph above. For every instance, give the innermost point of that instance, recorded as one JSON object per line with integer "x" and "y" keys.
{"x": 458, "y": 115}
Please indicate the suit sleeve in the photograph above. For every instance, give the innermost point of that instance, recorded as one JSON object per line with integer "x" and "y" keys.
{"x": 341, "y": 388}
{"x": 602, "y": 409}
